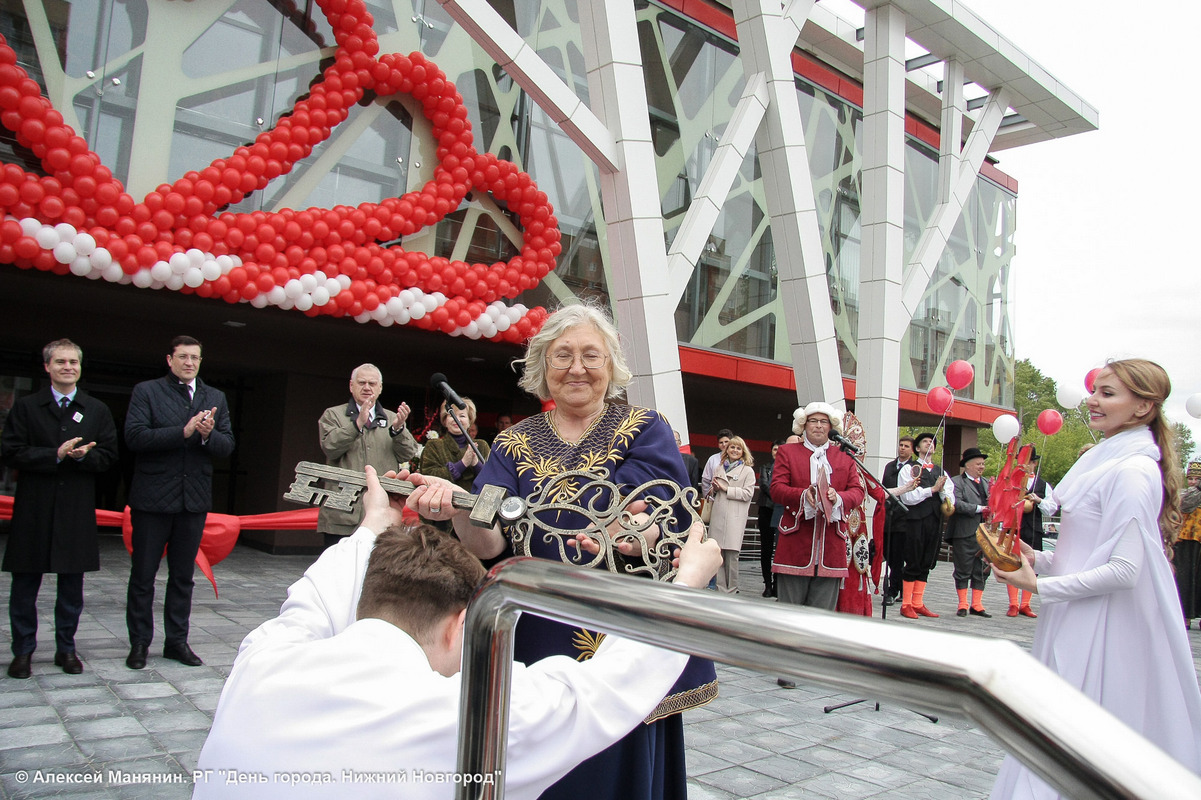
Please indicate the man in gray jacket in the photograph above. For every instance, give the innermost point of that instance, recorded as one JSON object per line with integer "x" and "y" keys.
{"x": 971, "y": 503}
{"x": 359, "y": 433}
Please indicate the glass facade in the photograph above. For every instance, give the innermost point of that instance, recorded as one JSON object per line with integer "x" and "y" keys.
{"x": 229, "y": 69}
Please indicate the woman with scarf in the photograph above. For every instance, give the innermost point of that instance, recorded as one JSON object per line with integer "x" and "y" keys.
{"x": 450, "y": 457}
{"x": 733, "y": 488}
{"x": 1110, "y": 623}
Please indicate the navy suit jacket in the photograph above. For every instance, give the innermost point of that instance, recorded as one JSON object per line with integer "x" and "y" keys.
{"x": 172, "y": 473}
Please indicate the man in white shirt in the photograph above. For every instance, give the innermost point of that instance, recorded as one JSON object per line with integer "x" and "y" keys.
{"x": 714, "y": 462}
{"x": 353, "y": 691}
{"x": 923, "y": 522}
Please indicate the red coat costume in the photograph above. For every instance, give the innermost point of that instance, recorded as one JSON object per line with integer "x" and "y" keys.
{"x": 811, "y": 547}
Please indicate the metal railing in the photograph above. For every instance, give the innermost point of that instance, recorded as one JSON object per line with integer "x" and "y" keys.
{"x": 1073, "y": 743}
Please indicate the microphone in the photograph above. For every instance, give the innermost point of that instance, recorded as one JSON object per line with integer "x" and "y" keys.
{"x": 438, "y": 381}
{"x": 843, "y": 441}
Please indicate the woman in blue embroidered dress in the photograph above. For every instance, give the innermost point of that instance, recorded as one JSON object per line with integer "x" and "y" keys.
{"x": 576, "y": 361}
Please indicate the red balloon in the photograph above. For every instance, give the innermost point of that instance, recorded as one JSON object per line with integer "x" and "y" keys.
{"x": 959, "y": 374}
{"x": 1091, "y": 378}
{"x": 1050, "y": 421}
{"x": 939, "y": 399}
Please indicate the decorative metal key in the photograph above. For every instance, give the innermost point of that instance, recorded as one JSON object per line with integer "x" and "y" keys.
{"x": 604, "y": 507}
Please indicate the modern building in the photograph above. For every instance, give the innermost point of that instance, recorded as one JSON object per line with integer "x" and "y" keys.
{"x": 809, "y": 191}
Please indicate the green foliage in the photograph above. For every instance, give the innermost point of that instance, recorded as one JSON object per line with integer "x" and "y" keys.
{"x": 1182, "y": 437}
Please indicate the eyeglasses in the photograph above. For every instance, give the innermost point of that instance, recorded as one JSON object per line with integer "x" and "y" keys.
{"x": 187, "y": 358}
{"x": 565, "y": 360}
{"x": 820, "y": 423}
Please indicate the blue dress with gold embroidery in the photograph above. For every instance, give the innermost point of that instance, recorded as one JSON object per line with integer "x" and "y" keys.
{"x": 627, "y": 446}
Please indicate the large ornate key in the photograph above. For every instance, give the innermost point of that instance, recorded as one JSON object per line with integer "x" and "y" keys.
{"x": 603, "y": 506}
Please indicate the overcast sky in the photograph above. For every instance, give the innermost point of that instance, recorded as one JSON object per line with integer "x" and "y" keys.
{"x": 1107, "y": 262}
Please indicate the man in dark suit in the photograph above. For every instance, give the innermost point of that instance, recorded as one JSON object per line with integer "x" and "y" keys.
{"x": 894, "y": 521}
{"x": 971, "y": 501}
{"x": 176, "y": 425}
{"x": 59, "y": 438}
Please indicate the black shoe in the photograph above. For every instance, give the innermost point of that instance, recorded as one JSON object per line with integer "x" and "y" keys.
{"x": 183, "y": 654}
{"x": 980, "y": 613}
{"x": 69, "y": 662}
{"x": 961, "y": 612}
{"x": 888, "y": 600}
{"x": 783, "y": 684}
{"x": 20, "y": 667}
{"x": 137, "y": 657}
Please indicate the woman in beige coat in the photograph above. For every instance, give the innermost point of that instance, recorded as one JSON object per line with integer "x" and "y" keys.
{"x": 733, "y": 488}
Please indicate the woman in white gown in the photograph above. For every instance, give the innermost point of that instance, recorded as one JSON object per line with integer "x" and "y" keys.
{"x": 1110, "y": 621}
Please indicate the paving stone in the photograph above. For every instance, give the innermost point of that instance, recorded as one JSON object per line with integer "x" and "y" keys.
{"x": 32, "y": 735}
{"x": 741, "y": 782}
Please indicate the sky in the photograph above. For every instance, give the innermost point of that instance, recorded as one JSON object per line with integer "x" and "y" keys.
{"x": 1107, "y": 262}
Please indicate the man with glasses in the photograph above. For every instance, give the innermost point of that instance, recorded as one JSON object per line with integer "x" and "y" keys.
{"x": 358, "y": 433}
{"x": 176, "y": 426}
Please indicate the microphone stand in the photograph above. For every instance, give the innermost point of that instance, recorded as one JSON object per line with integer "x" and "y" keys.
{"x": 891, "y": 503}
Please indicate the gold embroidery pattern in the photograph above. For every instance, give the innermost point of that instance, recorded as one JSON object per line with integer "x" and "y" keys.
{"x": 587, "y": 643}
{"x": 682, "y": 701}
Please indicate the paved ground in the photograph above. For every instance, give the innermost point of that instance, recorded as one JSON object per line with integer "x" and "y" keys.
{"x": 756, "y": 740}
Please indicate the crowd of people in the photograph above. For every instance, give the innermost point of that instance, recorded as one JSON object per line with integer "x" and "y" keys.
{"x": 606, "y": 721}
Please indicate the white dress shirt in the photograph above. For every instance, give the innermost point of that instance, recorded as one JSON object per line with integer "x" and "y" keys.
{"x": 321, "y": 705}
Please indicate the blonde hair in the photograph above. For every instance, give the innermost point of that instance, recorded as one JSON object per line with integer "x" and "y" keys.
{"x": 533, "y": 377}
{"x": 1148, "y": 381}
{"x": 737, "y": 441}
{"x": 444, "y": 412}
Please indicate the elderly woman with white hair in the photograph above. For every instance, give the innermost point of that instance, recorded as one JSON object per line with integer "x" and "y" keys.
{"x": 576, "y": 361}
{"x": 818, "y": 485}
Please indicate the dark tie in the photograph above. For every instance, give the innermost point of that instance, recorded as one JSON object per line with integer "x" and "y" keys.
{"x": 64, "y": 402}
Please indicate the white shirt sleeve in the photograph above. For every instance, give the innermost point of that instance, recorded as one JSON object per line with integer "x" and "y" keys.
{"x": 917, "y": 495}
{"x": 1119, "y": 572}
{"x": 324, "y": 602}
{"x": 1048, "y": 506}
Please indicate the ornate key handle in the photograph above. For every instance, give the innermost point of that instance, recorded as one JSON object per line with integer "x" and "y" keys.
{"x": 601, "y": 503}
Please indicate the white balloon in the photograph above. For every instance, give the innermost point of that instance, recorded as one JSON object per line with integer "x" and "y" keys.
{"x": 417, "y": 311}
{"x": 112, "y": 273}
{"x": 125, "y": 279}
{"x": 99, "y": 257}
{"x": 64, "y": 253}
{"x": 503, "y": 324}
{"x": 394, "y": 306}
{"x": 1068, "y": 396}
{"x": 47, "y": 237}
{"x": 402, "y": 317}
{"x": 1005, "y": 427}
{"x": 174, "y": 283}
{"x": 195, "y": 256}
{"x": 406, "y": 296}
{"x": 66, "y": 232}
{"x": 293, "y": 288}
{"x": 364, "y": 317}
{"x": 179, "y": 263}
{"x": 142, "y": 278}
{"x": 1193, "y": 405}
{"x": 226, "y": 263}
{"x": 320, "y": 277}
{"x": 211, "y": 270}
{"x": 332, "y": 287}
{"x": 259, "y": 301}
{"x": 161, "y": 271}
{"x": 472, "y": 330}
{"x": 84, "y": 243}
{"x": 386, "y": 322}
{"x": 276, "y": 295}
{"x": 79, "y": 266}
{"x": 304, "y": 302}
{"x": 320, "y": 296}
{"x": 30, "y": 226}
{"x": 308, "y": 282}
{"x": 379, "y": 313}
{"x": 429, "y": 303}
{"x": 344, "y": 281}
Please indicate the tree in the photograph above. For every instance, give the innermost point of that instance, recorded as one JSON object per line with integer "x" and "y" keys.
{"x": 1182, "y": 438}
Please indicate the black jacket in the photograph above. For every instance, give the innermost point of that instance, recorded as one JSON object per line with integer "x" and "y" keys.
{"x": 54, "y": 511}
{"x": 171, "y": 473}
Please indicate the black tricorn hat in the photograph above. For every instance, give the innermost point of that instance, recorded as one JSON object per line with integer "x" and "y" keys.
{"x": 969, "y": 454}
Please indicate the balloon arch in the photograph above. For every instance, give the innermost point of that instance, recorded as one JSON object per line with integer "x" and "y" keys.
{"x": 78, "y": 219}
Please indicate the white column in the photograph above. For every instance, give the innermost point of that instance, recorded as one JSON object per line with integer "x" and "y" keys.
{"x": 882, "y": 208}
{"x": 639, "y": 289}
{"x": 766, "y": 37}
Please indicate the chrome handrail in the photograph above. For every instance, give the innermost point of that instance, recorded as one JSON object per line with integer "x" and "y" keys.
{"x": 1073, "y": 743}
